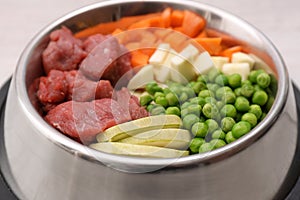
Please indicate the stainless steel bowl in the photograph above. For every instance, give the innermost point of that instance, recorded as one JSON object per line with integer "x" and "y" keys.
{"x": 46, "y": 165}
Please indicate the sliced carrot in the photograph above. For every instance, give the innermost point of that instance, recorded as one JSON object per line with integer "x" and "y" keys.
{"x": 179, "y": 29}
{"x": 228, "y": 52}
{"x": 109, "y": 27}
{"x": 140, "y": 24}
{"x": 176, "y": 40}
{"x": 227, "y": 40}
{"x": 211, "y": 45}
{"x": 117, "y": 31}
{"x": 177, "y": 18}
{"x": 139, "y": 59}
{"x": 148, "y": 51}
{"x": 203, "y": 34}
{"x": 157, "y": 22}
{"x": 166, "y": 17}
{"x": 161, "y": 33}
{"x": 192, "y": 23}
{"x": 132, "y": 46}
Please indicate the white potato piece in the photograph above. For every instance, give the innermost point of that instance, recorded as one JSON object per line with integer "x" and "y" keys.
{"x": 203, "y": 63}
{"x": 219, "y": 61}
{"x": 141, "y": 78}
{"x": 240, "y": 68}
{"x": 240, "y": 57}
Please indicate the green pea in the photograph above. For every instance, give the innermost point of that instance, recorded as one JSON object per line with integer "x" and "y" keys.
{"x": 229, "y": 98}
{"x": 166, "y": 91}
{"x": 195, "y": 144}
{"x": 228, "y": 111}
{"x": 191, "y": 84}
{"x": 260, "y": 98}
{"x": 246, "y": 82}
{"x": 218, "y": 134}
{"x": 212, "y": 125}
{"x": 145, "y": 100}
{"x": 150, "y": 107}
{"x": 198, "y": 86}
{"x": 212, "y": 74}
{"x": 189, "y": 91}
{"x": 238, "y": 91}
{"x": 221, "y": 91}
{"x": 205, "y": 147}
{"x": 240, "y": 129}
{"x": 220, "y": 104}
{"x": 217, "y": 143}
{"x": 210, "y": 110}
{"x": 202, "y": 78}
{"x": 257, "y": 88}
{"x": 206, "y": 93}
{"x": 256, "y": 110}
{"x": 235, "y": 80}
{"x": 185, "y": 105}
{"x": 194, "y": 109}
{"x": 198, "y": 100}
{"x": 158, "y": 94}
{"x": 161, "y": 101}
{"x": 263, "y": 80}
{"x": 189, "y": 120}
{"x": 184, "y": 112}
{"x": 183, "y": 97}
{"x": 229, "y": 137}
{"x": 172, "y": 99}
{"x": 253, "y": 75}
{"x": 158, "y": 110}
{"x": 270, "y": 102}
{"x": 210, "y": 100}
{"x": 247, "y": 90}
{"x": 213, "y": 87}
{"x": 242, "y": 104}
{"x": 173, "y": 111}
{"x": 227, "y": 123}
{"x": 251, "y": 118}
{"x": 200, "y": 129}
{"x": 151, "y": 87}
{"x": 176, "y": 90}
{"x": 221, "y": 80}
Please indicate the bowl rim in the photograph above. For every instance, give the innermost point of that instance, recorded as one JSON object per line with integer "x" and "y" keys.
{"x": 100, "y": 157}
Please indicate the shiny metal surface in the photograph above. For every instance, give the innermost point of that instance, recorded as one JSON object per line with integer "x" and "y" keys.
{"x": 47, "y": 165}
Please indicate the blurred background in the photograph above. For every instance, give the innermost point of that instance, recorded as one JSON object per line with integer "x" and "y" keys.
{"x": 21, "y": 20}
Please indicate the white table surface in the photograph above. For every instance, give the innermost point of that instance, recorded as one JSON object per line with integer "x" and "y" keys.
{"x": 22, "y": 19}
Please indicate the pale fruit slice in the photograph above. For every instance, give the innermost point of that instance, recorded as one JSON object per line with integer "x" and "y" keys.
{"x": 219, "y": 61}
{"x": 240, "y": 68}
{"x": 140, "y": 79}
{"x": 203, "y": 63}
{"x": 240, "y": 57}
{"x": 170, "y": 138}
{"x": 162, "y": 73}
{"x": 138, "y": 150}
{"x": 122, "y": 131}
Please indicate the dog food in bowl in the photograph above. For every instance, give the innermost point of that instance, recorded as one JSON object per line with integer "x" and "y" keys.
{"x": 156, "y": 85}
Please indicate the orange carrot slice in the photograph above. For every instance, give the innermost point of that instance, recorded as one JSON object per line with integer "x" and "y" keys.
{"x": 228, "y": 52}
{"x": 166, "y": 17}
{"x": 177, "y": 18}
{"x": 139, "y": 59}
{"x": 192, "y": 23}
{"x": 109, "y": 27}
{"x": 211, "y": 45}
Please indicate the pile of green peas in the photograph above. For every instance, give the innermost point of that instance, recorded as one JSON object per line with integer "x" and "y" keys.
{"x": 217, "y": 109}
